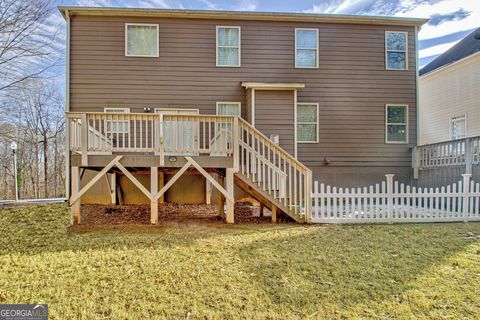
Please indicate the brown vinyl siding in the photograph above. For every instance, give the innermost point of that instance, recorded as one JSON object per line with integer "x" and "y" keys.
{"x": 351, "y": 84}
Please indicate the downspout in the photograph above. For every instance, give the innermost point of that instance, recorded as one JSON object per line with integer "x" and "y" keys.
{"x": 67, "y": 107}
{"x": 416, "y": 89}
{"x": 415, "y": 163}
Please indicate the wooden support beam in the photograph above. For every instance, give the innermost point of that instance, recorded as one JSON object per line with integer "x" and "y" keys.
{"x": 172, "y": 181}
{"x": 212, "y": 181}
{"x": 161, "y": 184}
{"x": 221, "y": 199}
{"x": 208, "y": 192}
{"x": 134, "y": 180}
{"x": 262, "y": 207}
{"x": 76, "y": 197}
{"x": 274, "y": 213}
{"x": 153, "y": 190}
{"x": 230, "y": 199}
{"x": 113, "y": 188}
{"x": 75, "y": 178}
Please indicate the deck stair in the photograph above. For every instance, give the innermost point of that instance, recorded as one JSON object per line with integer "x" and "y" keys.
{"x": 271, "y": 175}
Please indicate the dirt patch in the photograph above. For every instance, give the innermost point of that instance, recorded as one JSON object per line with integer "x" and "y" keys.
{"x": 169, "y": 213}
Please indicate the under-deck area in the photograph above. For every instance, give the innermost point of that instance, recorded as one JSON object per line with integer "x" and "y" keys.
{"x": 157, "y": 151}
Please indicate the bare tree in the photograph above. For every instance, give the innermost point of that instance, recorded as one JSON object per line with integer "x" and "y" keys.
{"x": 25, "y": 41}
{"x": 35, "y": 113}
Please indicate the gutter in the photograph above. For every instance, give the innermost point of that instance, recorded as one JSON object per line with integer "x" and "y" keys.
{"x": 240, "y": 15}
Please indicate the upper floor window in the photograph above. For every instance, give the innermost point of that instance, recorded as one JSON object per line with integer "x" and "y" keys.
{"x": 396, "y": 123}
{"x": 307, "y": 122}
{"x": 306, "y": 48}
{"x": 458, "y": 127}
{"x": 141, "y": 40}
{"x": 228, "y": 46}
{"x": 396, "y": 50}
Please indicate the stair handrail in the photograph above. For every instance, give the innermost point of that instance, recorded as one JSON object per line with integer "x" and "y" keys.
{"x": 302, "y": 199}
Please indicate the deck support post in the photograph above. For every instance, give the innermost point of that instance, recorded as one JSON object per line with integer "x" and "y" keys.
{"x": 274, "y": 214}
{"x": 208, "y": 192}
{"x": 261, "y": 210}
{"x": 75, "y": 206}
{"x": 221, "y": 199}
{"x": 229, "y": 184}
{"x": 113, "y": 188}
{"x": 161, "y": 183}
{"x": 153, "y": 191}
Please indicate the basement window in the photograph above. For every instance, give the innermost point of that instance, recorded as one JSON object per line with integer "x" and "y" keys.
{"x": 141, "y": 40}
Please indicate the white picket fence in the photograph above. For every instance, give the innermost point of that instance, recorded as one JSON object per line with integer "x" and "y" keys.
{"x": 392, "y": 202}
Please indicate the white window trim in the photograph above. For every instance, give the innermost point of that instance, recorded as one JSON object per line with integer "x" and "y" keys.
{"x": 174, "y": 111}
{"x": 464, "y": 116}
{"x": 407, "y": 127}
{"x": 317, "y": 133}
{"x": 142, "y": 24}
{"x": 406, "y": 50}
{"x": 231, "y": 102}
{"x": 317, "y": 49}
{"x": 239, "y": 47}
{"x": 109, "y": 110}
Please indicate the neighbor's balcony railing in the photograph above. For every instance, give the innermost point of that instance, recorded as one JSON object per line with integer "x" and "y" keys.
{"x": 159, "y": 134}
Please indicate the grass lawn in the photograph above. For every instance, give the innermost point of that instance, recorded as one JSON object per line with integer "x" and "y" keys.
{"x": 241, "y": 271}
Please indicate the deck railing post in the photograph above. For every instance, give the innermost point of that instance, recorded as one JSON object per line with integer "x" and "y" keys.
{"x": 390, "y": 197}
{"x": 468, "y": 156}
{"x": 415, "y": 162}
{"x": 84, "y": 140}
{"x": 236, "y": 145}
{"x": 466, "y": 194}
{"x": 161, "y": 142}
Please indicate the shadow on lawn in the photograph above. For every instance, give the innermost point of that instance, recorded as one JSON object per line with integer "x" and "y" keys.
{"x": 344, "y": 266}
{"x": 38, "y": 229}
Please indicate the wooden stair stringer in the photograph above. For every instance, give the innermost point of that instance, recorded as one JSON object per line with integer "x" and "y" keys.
{"x": 262, "y": 196}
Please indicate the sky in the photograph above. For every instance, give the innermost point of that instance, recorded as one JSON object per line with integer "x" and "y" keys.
{"x": 450, "y": 20}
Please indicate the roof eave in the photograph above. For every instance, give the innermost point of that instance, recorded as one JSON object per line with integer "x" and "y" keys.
{"x": 242, "y": 15}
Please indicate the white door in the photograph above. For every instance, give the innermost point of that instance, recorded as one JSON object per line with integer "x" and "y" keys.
{"x": 179, "y": 137}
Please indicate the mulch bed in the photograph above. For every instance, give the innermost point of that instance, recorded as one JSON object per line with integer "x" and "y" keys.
{"x": 168, "y": 213}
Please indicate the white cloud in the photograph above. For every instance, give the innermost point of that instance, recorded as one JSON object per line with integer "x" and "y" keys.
{"x": 246, "y": 5}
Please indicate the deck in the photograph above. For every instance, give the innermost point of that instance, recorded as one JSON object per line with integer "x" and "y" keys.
{"x": 123, "y": 141}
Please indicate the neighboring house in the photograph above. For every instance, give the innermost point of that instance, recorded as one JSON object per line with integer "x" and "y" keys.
{"x": 337, "y": 94}
{"x": 449, "y": 93}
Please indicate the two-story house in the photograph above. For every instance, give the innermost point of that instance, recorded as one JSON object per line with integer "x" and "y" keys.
{"x": 267, "y": 102}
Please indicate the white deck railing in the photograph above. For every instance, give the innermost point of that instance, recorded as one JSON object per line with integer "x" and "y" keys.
{"x": 462, "y": 152}
{"x": 151, "y": 133}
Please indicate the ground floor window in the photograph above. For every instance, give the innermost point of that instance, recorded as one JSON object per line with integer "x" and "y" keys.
{"x": 228, "y": 108}
{"x": 396, "y": 117}
{"x": 116, "y": 126}
{"x": 458, "y": 127}
{"x": 307, "y": 122}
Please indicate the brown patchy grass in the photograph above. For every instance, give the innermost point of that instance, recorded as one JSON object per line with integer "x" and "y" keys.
{"x": 429, "y": 271}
